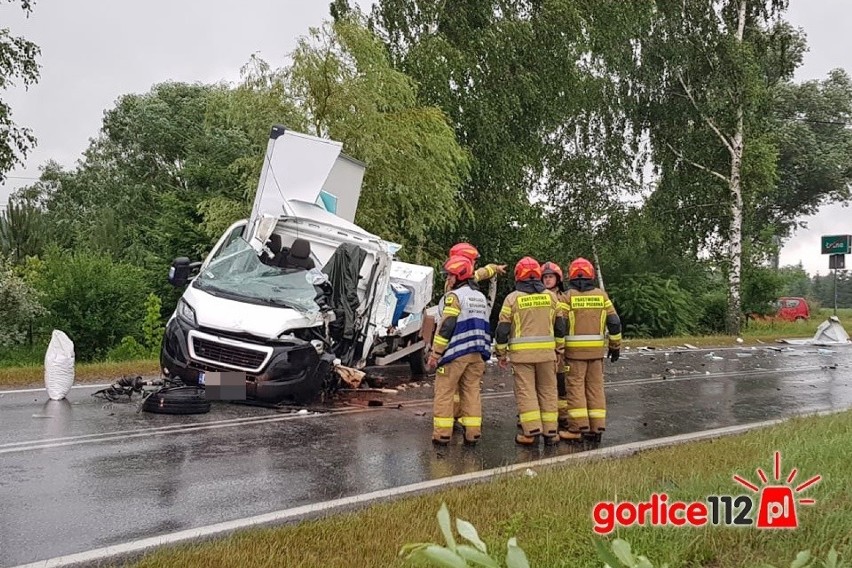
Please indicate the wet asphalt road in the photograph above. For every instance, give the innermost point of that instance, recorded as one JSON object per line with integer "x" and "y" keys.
{"x": 82, "y": 473}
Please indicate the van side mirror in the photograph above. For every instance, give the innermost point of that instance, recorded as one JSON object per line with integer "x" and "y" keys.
{"x": 181, "y": 271}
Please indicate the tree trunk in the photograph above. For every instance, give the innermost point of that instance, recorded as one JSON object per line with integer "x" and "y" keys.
{"x": 735, "y": 252}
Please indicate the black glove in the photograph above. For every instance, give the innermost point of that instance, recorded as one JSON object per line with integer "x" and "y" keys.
{"x": 613, "y": 354}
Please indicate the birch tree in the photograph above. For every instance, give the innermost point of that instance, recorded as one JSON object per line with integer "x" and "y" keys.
{"x": 705, "y": 71}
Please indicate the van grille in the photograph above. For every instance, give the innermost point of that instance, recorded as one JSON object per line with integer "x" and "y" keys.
{"x": 248, "y": 359}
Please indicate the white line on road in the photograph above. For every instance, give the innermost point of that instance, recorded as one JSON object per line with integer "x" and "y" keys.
{"x": 297, "y": 513}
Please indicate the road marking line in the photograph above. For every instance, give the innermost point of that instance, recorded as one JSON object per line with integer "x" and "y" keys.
{"x": 297, "y": 513}
{"x": 44, "y": 389}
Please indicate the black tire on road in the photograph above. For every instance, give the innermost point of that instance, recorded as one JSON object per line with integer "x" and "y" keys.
{"x": 177, "y": 400}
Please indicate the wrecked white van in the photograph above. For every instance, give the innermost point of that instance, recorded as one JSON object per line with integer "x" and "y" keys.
{"x": 297, "y": 288}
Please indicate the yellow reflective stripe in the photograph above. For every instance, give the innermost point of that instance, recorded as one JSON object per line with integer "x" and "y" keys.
{"x": 443, "y": 422}
{"x": 587, "y": 302}
{"x": 549, "y": 416}
{"x": 470, "y": 420}
{"x": 506, "y": 311}
{"x": 441, "y": 341}
{"x": 607, "y": 304}
{"x": 489, "y": 271}
{"x": 562, "y": 404}
{"x": 563, "y": 306}
{"x": 502, "y": 346}
{"x": 456, "y": 398}
{"x": 582, "y": 344}
{"x": 597, "y": 413}
{"x": 530, "y": 416}
{"x": 603, "y": 323}
{"x": 560, "y": 341}
{"x": 616, "y": 337}
{"x": 566, "y": 369}
{"x": 578, "y": 412}
{"x": 571, "y": 322}
{"x": 452, "y": 312}
{"x": 517, "y": 325}
{"x": 535, "y": 301}
{"x": 529, "y": 346}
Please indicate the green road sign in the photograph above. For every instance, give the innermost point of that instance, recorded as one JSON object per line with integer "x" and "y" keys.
{"x": 837, "y": 244}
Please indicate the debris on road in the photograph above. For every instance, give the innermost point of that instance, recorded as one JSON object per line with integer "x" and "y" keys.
{"x": 713, "y": 357}
{"x": 350, "y": 376}
{"x": 530, "y": 473}
{"x": 739, "y": 340}
{"x": 302, "y": 412}
{"x": 689, "y": 346}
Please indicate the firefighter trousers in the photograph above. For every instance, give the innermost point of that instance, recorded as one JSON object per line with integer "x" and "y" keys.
{"x": 585, "y": 398}
{"x": 462, "y": 375}
{"x": 536, "y": 395}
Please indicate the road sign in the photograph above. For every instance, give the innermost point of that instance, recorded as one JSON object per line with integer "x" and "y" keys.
{"x": 837, "y": 262}
{"x": 837, "y": 244}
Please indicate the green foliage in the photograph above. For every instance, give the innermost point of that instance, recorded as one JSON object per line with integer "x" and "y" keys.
{"x": 93, "y": 299}
{"x": 714, "y": 307}
{"x": 128, "y": 350}
{"x": 652, "y": 306}
{"x": 455, "y": 555}
{"x": 152, "y": 325}
{"x": 19, "y": 305}
{"x": 17, "y": 61}
{"x": 619, "y": 555}
{"x": 761, "y": 288}
{"x": 21, "y": 229}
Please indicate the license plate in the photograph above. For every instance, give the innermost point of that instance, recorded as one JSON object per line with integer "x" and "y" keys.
{"x": 200, "y": 377}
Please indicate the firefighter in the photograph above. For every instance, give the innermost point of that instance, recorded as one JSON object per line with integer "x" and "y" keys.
{"x": 591, "y": 318}
{"x": 460, "y": 348}
{"x": 482, "y": 274}
{"x": 531, "y": 334}
{"x": 551, "y": 277}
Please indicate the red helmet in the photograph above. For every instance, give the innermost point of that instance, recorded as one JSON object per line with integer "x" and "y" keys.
{"x": 527, "y": 268}
{"x": 551, "y": 268}
{"x": 460, "y": 267}
{"x": 581, "y": 268}
{"x": 466, "y": 250}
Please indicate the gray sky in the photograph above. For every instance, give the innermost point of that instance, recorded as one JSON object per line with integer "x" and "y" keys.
{"x": 93, "y": 51}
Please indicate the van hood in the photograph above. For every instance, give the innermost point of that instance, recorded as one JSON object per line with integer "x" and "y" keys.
{"x": 267, "y": 322}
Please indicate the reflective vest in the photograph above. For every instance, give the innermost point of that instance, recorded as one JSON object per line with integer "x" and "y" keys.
{"x": 472, "y": 333}
{"x": 587, "y": 313}
{"x": 532, "y": 318}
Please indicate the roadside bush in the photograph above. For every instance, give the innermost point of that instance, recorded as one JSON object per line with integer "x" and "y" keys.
{"x": 93, "y": 299}
{"x": 761, "y": 287}
{"x": 652, "y": 306}
{"x": 128, "y": 350}
{"x": 19, "y": 306}
{"x": 714, "y": 307}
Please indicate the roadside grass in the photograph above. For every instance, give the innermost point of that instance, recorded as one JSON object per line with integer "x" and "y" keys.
{"x": 551, "y": 514}
{"x": 33, "y": 375}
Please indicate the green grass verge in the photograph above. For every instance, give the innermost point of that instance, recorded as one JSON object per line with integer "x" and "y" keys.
{"x": 551, "y": 513}
{"x": 33, "y": 375}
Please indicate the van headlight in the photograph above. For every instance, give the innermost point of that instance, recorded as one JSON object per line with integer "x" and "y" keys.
{"x": 186, "y": 313}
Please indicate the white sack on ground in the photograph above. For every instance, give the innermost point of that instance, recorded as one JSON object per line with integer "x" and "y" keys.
{"x": 59, "y": 366}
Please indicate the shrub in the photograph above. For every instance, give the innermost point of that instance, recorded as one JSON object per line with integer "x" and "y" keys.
{"x": 652, "y": 306}
{"x": 19, "y": 305}
{"x": 93, "y": 299}
{"x": 714, "y": 307}
{"x": 128, "y": 350}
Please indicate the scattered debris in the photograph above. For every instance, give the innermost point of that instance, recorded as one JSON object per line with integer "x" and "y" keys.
{"x": 739, "y": 340}
{"x": 761, "y": 342}
{"x": 302, "y": 412}
{"x": 742, "y": 355}
{"x": 378, "y": 390}
{"x": 350, "y": 376}
{"x": 501, "y": 385}
{"x": 825, "y": 351}
{"x": 41, "y": 416}
{"x": 530, "y": 473}
{"x": 689, "y": 346}
{"x": 830, "y": 332}
{"x": 420, "y": 413}
{"x": 713, "y": 357}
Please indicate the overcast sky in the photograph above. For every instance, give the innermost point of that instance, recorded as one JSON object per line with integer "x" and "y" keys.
{"x": 93, "y": 51}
